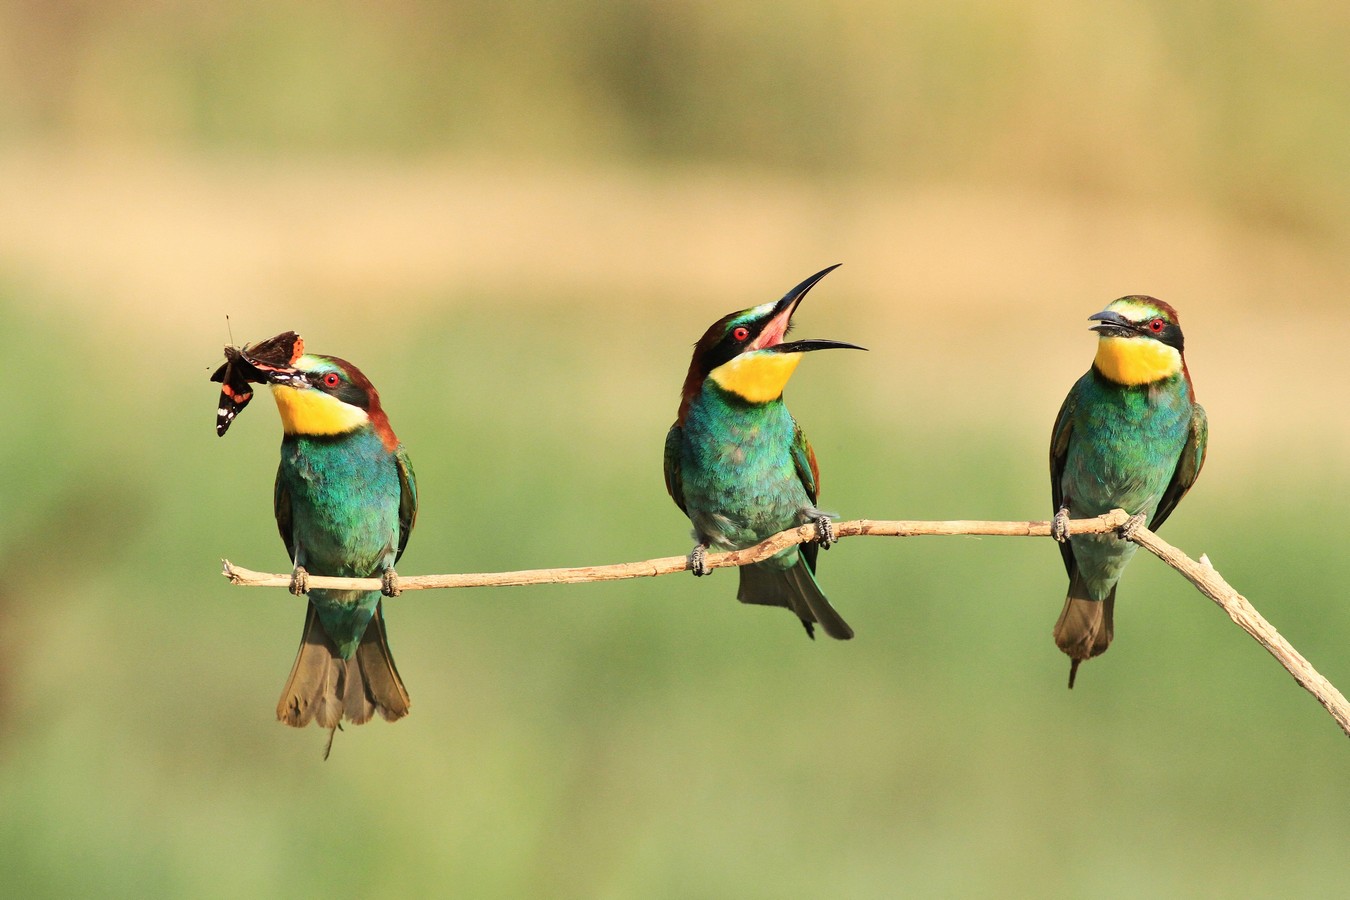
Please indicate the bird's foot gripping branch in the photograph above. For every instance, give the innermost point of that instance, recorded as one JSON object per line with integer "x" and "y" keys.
{"x": 1201, "y": 574}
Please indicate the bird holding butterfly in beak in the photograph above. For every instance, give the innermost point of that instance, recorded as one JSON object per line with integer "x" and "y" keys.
{"x": 345, "y": 501}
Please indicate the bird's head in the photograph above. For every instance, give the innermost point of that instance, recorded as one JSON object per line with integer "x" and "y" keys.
{"x": 744, "y": 353}
{"x": 325, "y": 396}
{"x": 1140, "y": 341}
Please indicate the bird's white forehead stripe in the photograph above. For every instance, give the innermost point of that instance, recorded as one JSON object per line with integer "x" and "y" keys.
{"x": 762, "y": 310}
{"x": 1133, "y": 310}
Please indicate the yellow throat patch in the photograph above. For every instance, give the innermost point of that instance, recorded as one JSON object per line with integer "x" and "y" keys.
{"x": 305, "y": 411}
{"x": 757, "y": 377}
{"x": 1136, "y": 360}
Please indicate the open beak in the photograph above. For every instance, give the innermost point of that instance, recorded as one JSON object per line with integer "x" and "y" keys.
{"x": 780, "y": 318}
{"x": 1113, "y": 324}
{"x": 807, "y": 346}
{"x": 771, "y": 336}
{"x": 793, "y": 297}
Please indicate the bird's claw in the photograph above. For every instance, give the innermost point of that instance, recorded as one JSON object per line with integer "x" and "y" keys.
{"x": 1132, "y": 526}
{"x": 389, "y": 583}
{"x": 824, "y": 532}
{"x": 299, "y": 581}
{"x": 1059, "y": 527}
{"x": 698, "y": 561}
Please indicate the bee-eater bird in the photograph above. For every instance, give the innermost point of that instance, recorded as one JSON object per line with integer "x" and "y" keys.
{"x": 1129, "y": 435}
{"x": 345, "y": 503}
{"x": 739, "y": 466}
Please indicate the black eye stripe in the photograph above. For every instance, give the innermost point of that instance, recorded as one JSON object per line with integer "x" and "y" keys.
{"x": 1166, "y": 331}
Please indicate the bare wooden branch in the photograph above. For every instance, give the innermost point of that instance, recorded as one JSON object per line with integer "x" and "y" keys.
{"x": 672, "y": 564}
{"x": 1201, "y": 574}
{"x": 1210, "y": 583}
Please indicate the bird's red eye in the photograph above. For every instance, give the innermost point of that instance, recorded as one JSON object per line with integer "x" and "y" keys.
{"x": 332, "y": 380}
{"x": 740, "y": 333}
{"x": 1156, "y": 326}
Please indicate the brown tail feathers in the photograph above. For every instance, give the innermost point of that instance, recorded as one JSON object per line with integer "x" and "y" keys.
{"x": 1085, "y": 628}
{"x": 325, "y": 688}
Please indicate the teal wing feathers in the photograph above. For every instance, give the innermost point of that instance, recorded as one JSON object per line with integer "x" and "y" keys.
{"x": 407, "y": 502}
{"x": 805, "y": 459}
{"x": 1188, "y": 466}
{"x": 1059, "y": 452}
{"x": 674, "y": 484}
{"x": 281, "y": 507}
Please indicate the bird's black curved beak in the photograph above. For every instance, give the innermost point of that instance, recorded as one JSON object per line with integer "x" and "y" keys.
{"x": 779, "y": 321}
{"x": 788, "y": 305}
{"x": 794, "y": 297}
{"x": 1112, "y": 323}
{"x": 807, "y": 346}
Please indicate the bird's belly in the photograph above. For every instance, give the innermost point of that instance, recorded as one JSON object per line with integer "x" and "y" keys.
{"x": 335, "y": 534}
{"x": 334, "y": 545}
{"x": 1124, "y": 451}
{"x": 345, "y": 522}
{"x": 733, "y": 525}
{"x": 1122, "y": 458}
{"x": 739, "y": 480}
{"x": 736, "y": 500}
{"x": 1102, "y": 477}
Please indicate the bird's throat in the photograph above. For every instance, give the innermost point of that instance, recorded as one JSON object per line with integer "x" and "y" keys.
{"x": 312, "y": 412}
{"x": 757, "y": 377}
{"x": 1136, "y": 360}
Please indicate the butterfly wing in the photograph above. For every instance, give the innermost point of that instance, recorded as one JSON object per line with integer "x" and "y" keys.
{"x": 252, "y": 363}
{"x": 235, "y": 391}
{"x": 278, "y": 352}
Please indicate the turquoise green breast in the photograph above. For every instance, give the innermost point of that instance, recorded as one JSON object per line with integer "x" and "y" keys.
{"x": 739, "y": 478}
{"x": 344, "y": 498}
{"x": 1123, "y": 451}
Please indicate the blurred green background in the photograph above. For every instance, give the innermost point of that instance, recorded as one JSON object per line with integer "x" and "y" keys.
{"x": 517, "y": 219}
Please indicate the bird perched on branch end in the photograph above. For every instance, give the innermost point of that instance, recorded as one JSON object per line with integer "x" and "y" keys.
{"x": 1129, "y": 435}
{"x": 345, "y": 502}
{"x": 739, "y": 466}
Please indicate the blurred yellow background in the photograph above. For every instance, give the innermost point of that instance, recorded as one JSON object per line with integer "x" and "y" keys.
{"x": 517, "y": 219}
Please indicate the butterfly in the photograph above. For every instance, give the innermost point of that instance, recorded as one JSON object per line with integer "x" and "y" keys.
{"x": 252, "y": 363}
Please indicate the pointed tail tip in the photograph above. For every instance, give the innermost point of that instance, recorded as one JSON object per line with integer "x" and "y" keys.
{"x": 1073, "y": 671}
{"x": 839, "y": 630}
{"x": 328, "y": 747}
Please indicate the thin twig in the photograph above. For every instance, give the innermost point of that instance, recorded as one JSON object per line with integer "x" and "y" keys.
{"x": 1200, "y": 574}
{"x": 1210, "y": 583}
{"x": 672, "y": 564}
